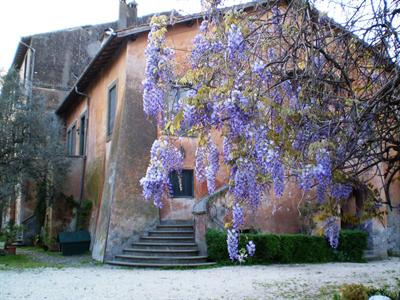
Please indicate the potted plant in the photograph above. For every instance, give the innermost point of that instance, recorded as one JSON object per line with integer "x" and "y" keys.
{"x": 2, "y": 244}
{"x": 9, "y": 236}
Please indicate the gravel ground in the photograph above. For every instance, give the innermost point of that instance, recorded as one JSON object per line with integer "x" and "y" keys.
{"x": 311, "y": 281}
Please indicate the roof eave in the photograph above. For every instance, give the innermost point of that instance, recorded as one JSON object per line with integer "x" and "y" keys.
{"x": 75, "y": 90}
{"x": 20, "y": 52}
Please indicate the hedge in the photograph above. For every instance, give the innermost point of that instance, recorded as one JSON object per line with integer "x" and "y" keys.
{"x": 290, "y": 248}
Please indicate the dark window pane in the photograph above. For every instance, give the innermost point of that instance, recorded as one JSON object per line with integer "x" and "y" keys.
{"x": 73, "y": 140}
{"x": 69, "y": 150}
{"x": 112, "y": 104}
{"x": 182, "y": 183}
{"x": 82, "y": 133}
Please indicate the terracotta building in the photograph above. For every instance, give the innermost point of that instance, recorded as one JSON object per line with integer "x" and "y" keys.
{"x": 109, "y": 139}
{"x": 49, "y": 65}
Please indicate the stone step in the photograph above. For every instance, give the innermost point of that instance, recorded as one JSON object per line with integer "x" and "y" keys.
{"x": 174, "y": 229}
{"x": 176, "y": 222}
{"x": 159, "y": 265}
{"x": 165, "y": 246}
{"x": 371, "y": 255}
{"x": 171, "y": 244}
{"x": 161, "y": 239}
{"x": 161, "y": 259}
{"x": 161, "y": 252}
{"x": 174, "y": 226}
{"x": 171, "y": 233}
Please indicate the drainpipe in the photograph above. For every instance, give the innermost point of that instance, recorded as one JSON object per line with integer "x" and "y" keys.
{"x": 85, "y": 141}
{"x": 33, "y": 51}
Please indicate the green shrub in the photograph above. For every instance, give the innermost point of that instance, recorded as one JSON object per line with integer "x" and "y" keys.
{"x": 361, "y": 292}
{"x": 352, "y": 244}
{"x": 290, "y": 248}
{"x": 216, "y": 241}
{"x": 354, "y": 292}
{"x": 267, "y": 247}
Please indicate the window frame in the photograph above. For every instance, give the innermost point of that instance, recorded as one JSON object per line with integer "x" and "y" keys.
{"x": 109, "y": 128}
{"x": 68, "y": 146}
{"x": 71, "y": 139}
{"x": 83, "y": 133}
{"x": 191, "y": 196}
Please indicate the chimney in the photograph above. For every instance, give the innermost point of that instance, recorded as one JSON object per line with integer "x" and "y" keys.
{"x": 127, "y": 14}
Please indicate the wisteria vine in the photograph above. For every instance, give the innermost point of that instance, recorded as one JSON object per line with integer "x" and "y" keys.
{"x": 276, "y": 123}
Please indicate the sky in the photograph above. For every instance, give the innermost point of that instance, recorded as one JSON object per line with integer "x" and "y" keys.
{"x": 20, "y": 18}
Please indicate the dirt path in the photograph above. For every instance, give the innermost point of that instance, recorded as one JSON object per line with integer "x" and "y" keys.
{"x": 313, "y": 281}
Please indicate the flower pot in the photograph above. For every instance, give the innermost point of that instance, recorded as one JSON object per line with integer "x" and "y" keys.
{"x": 10, "y": 250}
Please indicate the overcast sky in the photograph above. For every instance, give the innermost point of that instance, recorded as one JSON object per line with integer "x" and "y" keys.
{"x": 26, "y": 17}
{"x": 20, "y": 18}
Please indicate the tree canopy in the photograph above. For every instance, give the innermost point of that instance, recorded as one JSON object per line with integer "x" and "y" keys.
{"x": 30, "y": 144}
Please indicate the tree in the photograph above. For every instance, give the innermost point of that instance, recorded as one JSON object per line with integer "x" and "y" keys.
{"x": 30, "y": 144}
{"x": 295, "y": 95}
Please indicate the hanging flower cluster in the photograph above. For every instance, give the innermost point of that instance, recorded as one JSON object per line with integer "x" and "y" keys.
{"x": 164, "y": 159}
{"x": 321, "y": 176}
{"x": 233, "y": 237}
{"x": 332, "y": 230}
{"x": 158, "y": 72}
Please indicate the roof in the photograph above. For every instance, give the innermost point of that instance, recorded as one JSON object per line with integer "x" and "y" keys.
{"x": 27, "y": 40}
{"x": 21, "y": 51}
{"x": 116, "y": 40}
{"x": 113, "y": 43}
{"x": 104, "y": 55}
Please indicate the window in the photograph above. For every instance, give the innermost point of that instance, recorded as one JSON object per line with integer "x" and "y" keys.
{"x": 82, "y": 133}
{"x": 182, "y": 184}
{"x": 25, "y": 68}
{"x": 69, "y": 135}
{"x": 112, "y": 105}
{"x": 71, "y": 140}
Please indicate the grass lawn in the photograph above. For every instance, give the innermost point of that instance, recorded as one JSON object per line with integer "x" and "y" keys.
{"x": 32, "y": 257}
{"x": 23, "y": 261}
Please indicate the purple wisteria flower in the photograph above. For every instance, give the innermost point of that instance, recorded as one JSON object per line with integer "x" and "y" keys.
{"x": 341, "y": 191}
{"x": 236, "y": 44}
{"x": 227, "y": 149}
{"x": 238, "y": 216}
{"x": 269, "y": 160}
{"x": 200, "y": 46}
{"x": 233, "y": 244}
{"x": 164, "y": 159}
{"x": 259, "y": 69}
{"x": 251, "y": 248}
{"x": 212, "y": 167}
{"x": 158, "y": 70}
{"x": 332, "y": 230}
{"x": 200, "y": 170}
{"x": 323, "y": 174}
{"x": 306, "y": 178}
{"x": 246, "y": 186}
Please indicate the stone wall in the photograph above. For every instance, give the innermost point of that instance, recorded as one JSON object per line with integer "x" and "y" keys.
{"x": 60, "y": 58}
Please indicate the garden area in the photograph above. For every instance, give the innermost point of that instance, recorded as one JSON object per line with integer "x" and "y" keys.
{"x": 46, "y": 273}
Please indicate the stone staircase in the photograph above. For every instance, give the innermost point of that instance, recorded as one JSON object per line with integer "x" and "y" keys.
{"x": 171, "y": 244}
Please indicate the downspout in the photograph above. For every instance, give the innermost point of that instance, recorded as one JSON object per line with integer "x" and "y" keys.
{"x": 85, "y": 144}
